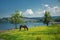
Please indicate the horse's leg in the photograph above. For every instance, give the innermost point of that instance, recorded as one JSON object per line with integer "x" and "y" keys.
{"x": 27, "y": 29}
{"x": 20, "y": 29}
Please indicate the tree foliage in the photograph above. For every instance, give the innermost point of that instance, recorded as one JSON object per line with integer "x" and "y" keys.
{"x": 16, "y": 18}
{"x": 47, "y": 17}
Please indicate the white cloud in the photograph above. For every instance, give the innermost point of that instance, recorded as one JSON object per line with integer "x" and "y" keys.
{"x": 55, "y": 10}
{"x": 40, "y": 13}
{"x": 44, "y": 11}
{"x": 56, "y": 7}
{"x": 29, "y": 11}
{"x": 20, "y": 12}
{"x": 46, "y": 5}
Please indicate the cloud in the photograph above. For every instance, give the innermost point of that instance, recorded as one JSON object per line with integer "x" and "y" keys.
{"x": 20, "y": 12}
{"x": 46, "y": 5}
{"x": 56, "y": 7}
{"x": 54, "y": 11}
{"x": 29, "y": 11}
{"x": 39, "y": 13}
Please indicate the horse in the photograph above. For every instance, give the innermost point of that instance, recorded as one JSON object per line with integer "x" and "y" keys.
{"x": 24, "y": 26}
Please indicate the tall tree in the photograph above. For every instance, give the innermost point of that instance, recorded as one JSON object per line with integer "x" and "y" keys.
{"x": 47, "y": 17}
{"x": 16, "y": 18}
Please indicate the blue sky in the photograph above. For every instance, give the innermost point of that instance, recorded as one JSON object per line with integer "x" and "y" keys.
{"x": 29, "y": 8}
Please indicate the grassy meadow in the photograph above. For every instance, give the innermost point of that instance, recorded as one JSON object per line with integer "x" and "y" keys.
{"x": 34, "y": 33}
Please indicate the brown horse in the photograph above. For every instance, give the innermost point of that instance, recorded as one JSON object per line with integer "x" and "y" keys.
{"x": 23, "y": 26}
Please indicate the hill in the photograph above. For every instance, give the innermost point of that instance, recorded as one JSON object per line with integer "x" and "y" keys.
{"x": 30, "y": 18}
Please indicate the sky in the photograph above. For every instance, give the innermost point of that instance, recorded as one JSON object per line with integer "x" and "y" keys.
{"x": 29, "y": 8}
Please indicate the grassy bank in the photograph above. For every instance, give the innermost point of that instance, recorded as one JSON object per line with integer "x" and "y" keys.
{"x": 34, "y": 33}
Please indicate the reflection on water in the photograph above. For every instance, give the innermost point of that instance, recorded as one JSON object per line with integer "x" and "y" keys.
{"x": 5, "y": 26}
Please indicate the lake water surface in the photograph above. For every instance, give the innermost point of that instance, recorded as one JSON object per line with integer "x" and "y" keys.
{"x": 6, "y": 26}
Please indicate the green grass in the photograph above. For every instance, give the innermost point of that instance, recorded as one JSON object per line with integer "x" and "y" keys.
{"x": 34, "y": 33}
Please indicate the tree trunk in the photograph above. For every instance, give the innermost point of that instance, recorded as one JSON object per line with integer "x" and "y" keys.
{"x": 47, "y": 24}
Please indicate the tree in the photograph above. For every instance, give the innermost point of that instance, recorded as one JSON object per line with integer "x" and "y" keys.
{"x": 16, "y": 18}
{"x": 47, "y": 17}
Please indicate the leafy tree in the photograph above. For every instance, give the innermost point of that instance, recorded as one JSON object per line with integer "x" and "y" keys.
{"x": 47, "y": 17}
{"x": 16, "y": 18}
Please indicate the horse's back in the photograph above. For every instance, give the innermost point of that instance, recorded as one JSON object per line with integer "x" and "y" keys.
{"x": 23, "y": 26}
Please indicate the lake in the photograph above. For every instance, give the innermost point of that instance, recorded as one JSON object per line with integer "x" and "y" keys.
{"x": 6, "y": 26}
